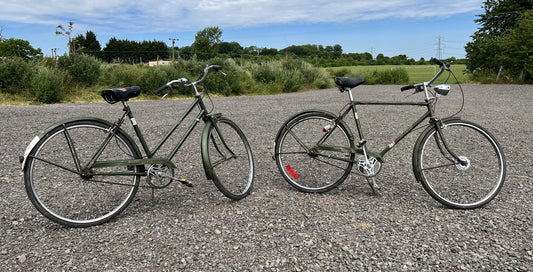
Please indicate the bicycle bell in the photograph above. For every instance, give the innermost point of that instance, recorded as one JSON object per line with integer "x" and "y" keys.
{"x": 442, "y": 89}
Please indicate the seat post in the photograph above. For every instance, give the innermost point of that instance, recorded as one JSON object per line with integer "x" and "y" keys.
{"x": 351, "y": 96}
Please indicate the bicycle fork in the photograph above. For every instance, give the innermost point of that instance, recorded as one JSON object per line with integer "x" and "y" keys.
{"x": 461, "y": 162}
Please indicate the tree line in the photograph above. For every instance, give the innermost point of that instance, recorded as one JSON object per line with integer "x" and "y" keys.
{"x": 502, "y": 47}
{"x": 207, "y": 45}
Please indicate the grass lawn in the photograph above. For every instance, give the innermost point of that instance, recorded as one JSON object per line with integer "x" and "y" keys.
{"x": 417, "y": 73}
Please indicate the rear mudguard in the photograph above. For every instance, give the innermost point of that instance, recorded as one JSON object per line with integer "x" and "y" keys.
{"x": 313, "y": 111}
{"x": 209, "y": 121}
{"x": 43, "y": 133}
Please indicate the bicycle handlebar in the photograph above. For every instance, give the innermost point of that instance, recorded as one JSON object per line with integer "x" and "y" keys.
{"x": 420, "y": 86}
{"x": 183, "y": 81}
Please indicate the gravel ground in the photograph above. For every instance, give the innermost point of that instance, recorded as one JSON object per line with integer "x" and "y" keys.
{"x": 277, "y": 228}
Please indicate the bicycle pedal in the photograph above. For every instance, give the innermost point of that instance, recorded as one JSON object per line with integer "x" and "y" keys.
{"x": 186, "y": 182}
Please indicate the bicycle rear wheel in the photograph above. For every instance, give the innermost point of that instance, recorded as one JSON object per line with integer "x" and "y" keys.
{"x": 61, "y": 187}
{"x": 230, "y": 159}
{"x": 302, "y": 164}
{"x": 469, "y": 185}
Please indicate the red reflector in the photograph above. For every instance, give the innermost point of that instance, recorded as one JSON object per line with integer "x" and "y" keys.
{"x": 292, "y": 172}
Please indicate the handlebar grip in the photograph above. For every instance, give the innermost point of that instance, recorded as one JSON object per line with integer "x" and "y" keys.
{"x": 437, "y": 61}
{"x": 408, "y": 87}
{"x": 160, "y": 89}
{"x": 216, "y": 68}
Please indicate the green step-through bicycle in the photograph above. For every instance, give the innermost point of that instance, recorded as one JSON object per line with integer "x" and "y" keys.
{"x": 459, "y": 163}
{"x": 84, "y": 171}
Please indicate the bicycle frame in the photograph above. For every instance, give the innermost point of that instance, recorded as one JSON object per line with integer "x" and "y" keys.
{"x": 150, "y": 153}
{"x": 361, "y": 147}
{"x": 209, "y": 120}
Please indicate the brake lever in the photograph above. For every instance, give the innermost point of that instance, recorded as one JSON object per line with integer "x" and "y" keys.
{"x": 170, "y": 88}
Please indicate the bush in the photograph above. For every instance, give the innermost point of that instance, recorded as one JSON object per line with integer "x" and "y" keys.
{"x": 289, "y": 76}
{"x": 46, "y": 86}
{"x": 117, "y": 76}
{"x": 15, "y": 74}
{"x": 152, "y": 79}
{"x": 83, "y": 69}
{"x": 392, "y": 76}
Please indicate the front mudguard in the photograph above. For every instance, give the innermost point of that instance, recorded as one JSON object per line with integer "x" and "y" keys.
{"x": 419, "y": 142}
{"x": 209, "y": 122}
{"x": 44, "y": 132}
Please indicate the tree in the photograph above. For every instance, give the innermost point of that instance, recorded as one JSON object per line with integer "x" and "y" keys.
{"x": 18, "y": 48}
{"x": 206, "y": 42}
{"x": 232, "y": 49}
{"x": 87, "y": 44}
{"x": 488, "y": 51}
{"x": 133, "y": 51}
{"x": 517, "y": 47}
{"x": 501, "y": 15}
{"x": 60, "y": 30}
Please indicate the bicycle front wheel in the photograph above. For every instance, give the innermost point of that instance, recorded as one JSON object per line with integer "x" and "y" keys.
{"x": 305, "y": 166}
{"x": 468, "y": 183}
{"x": 63, "y": 189}
{"x": 230, "y": 159}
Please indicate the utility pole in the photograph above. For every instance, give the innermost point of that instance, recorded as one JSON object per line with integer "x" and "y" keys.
{"x": 173, "y": 41}
{"x": 54, "y": 54}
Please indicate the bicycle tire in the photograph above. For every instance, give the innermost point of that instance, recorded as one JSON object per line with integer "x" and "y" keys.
{"x": 230, "y": 159}
{"x": 58, "y": 189}
{"x": 458, "y": 186}
{"x": 301, "y": 164}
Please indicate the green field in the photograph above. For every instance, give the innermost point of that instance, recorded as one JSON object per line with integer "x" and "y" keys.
{"x": 417, "y": 73}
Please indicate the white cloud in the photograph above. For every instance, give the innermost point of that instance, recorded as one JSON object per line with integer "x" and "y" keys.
{"x": 179, "y": 15}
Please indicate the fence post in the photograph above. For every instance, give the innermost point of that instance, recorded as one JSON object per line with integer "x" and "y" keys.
{"x": 499, "y": 73}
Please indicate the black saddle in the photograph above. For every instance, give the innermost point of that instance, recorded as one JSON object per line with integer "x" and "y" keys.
{"x": 112, "y": 96}
{"x": 349, "y": 82}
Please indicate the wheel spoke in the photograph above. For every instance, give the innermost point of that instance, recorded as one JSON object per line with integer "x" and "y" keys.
{"x": 301, "y": 164}
{"x": 467, "y": 185}
{"x": 80, "y": 198}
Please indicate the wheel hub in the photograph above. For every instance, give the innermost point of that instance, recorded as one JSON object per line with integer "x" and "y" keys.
{"x": 464, "y": 164}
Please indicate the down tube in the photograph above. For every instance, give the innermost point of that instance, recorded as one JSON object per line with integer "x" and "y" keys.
{"x": 407, "y": 131}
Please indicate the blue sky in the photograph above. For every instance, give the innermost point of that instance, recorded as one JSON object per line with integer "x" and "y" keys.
{"x": 391, "y": 27}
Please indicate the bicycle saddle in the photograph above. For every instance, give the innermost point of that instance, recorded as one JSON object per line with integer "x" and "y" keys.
{"x": 112, "y": 96}
{"x": 349, "y": 82}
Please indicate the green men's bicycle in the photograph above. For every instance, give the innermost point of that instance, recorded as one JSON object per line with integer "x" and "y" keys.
{"x": 459, "y": 163}
{"x": 84, "y": 171}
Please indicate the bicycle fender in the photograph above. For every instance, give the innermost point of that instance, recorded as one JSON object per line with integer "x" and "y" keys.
{"x": 204, "y": 150}
{"x": 45, "y": 131}
{"x": 418, "y": 142}
{"x": 312, "y": 111}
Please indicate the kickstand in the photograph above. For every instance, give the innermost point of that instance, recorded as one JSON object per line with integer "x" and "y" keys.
{"x": 153, "y": 196}
{"x": 373, "y": 185}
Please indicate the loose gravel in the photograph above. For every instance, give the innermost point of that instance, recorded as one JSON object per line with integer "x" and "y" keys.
{"x": 277, "y": 228}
